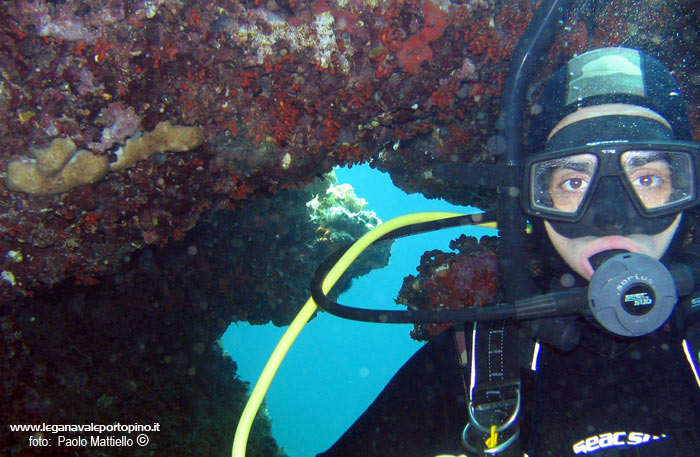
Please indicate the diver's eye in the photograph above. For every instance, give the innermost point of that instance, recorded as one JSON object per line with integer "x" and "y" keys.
{"x": 574, "y": 184}
{"x": 648, "y": 181}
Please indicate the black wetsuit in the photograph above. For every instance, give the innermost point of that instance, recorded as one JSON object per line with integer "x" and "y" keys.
{"x": 597, "y": 400}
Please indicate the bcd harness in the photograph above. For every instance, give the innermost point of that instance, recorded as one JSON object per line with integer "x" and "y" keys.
{"x": 489, "y": 363}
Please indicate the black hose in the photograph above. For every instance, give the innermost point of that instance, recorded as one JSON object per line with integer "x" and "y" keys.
{"x": 524, "y": 62}
{"x": 511, "y": 221}
{"x": 407, "y": 316}
{"x": 555, "y": 304}
{"x": 483, "y": 313}
{"x": 439, "y": 224}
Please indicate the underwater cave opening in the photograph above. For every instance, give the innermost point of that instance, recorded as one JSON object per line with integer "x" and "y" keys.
{"x": 337, "y": 367}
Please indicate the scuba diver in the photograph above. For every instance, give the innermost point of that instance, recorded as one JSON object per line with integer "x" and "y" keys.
{"x": 610, "y": 171}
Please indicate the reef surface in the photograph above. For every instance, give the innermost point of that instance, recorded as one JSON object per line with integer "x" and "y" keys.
{"x": 153, "y": 162}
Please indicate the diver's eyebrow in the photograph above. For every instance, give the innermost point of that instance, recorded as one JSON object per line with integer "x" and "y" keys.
{"x": 639, "y": 160}
{"x": 574, "y": 165}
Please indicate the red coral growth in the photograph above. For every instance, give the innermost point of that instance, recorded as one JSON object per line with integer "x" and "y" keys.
{"x": 347, "y": 21}
{"x": 435, "y": 21}
{"x": 241, "y": 192}
{"x": 445, "y": 95}
{"x": 92, "y": 219}
{"x": 413, "y": 53}
{"x": 357, "y": 96}
{"x": 415, "y": 50}
{"x": 287, "y": 120}
{"x": 452, "y": 281}
{"x": 352, "y": 153}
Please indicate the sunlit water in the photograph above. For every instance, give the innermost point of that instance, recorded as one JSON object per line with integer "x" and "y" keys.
{"x": 337, "y": 367}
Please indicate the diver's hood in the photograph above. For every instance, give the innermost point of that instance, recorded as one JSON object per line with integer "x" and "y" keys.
{"x": 607, "y": 76}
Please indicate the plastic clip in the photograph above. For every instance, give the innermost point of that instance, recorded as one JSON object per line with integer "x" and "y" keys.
{"x": 492, "y": 441}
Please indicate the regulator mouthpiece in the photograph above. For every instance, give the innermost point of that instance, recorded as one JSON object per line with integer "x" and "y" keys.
{"x": 598, "y": 259}
{"x": 631, "y": 294}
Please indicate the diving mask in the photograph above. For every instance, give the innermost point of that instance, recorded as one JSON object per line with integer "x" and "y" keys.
{"x": 658, "y": 178}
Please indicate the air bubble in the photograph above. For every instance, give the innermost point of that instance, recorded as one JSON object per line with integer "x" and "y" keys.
{"x": 567, "y": 280}
{"x": 496, "y": 144}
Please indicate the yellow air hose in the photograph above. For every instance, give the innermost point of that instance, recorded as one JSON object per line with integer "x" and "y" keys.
{"x": 245, "y": 423}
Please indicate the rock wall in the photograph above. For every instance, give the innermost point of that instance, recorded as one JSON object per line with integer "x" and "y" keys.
{"x": 280, "y": 92}
{"x": 116, "y": 280}
{"x": 141, "y": 345}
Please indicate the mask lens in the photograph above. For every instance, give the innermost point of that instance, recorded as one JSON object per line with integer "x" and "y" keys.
{"x": 561, "y": 185}
{"x": 659, "y": 179}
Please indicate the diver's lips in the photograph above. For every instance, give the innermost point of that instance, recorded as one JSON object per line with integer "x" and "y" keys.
{"x": 605, "y": 244}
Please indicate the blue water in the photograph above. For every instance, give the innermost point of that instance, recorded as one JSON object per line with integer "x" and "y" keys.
{"x": 337, "y": 367}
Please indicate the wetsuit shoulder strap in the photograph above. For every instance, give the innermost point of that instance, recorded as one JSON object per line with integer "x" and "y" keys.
{"x": 488, "y": 358}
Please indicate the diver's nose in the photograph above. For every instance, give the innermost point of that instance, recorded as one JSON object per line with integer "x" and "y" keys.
{"x": 613, "y": 208}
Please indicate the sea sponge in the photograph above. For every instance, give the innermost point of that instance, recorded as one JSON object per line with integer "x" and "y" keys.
{"x": 166, "y": 137}
{"x": 56, "y": 169}
{"x": 50, "y": 160}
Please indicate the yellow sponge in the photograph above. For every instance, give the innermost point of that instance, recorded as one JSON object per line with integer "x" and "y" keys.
{"x": 59, "y": 168}
{"x": 50, "y": 160}
{"x": 56, "y": 169}
{"x": 164, "y": 138}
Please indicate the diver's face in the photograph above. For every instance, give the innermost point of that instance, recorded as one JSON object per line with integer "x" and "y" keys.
{"x": 649, "y": 177}
{"x": 577, "y": 252}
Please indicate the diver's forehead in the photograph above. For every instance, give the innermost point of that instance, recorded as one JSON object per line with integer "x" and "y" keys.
{"x": 607, "y": 109}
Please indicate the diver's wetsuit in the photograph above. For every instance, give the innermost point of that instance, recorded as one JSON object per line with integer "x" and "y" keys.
{"x": 610, "y": 391}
